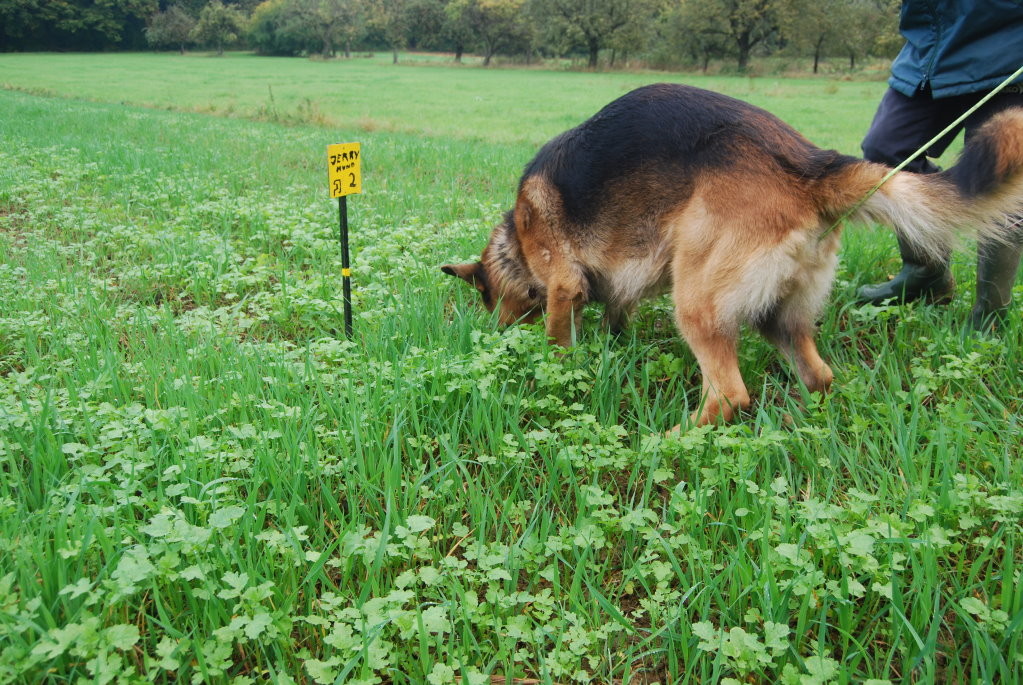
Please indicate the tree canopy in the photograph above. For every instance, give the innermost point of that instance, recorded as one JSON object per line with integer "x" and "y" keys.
{"x": 171, "y": 28}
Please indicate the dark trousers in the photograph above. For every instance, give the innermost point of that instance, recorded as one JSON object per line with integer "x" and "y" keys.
{"x": 902, "y": 124}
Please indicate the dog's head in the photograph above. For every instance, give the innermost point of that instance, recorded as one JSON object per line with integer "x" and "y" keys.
{"x": 502, "y": 277}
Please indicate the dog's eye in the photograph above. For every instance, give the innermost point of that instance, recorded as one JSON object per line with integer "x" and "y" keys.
{"x": 532, "y": 293}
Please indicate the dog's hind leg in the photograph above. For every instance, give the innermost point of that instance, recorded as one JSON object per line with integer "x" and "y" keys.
{"x": 616, "y": 317}
{"x": 789, "y": 324}
{"x": 724, "y": 392}
{"x": 714, "y": 342}
{"x": 791, "y": 331}
{"x": 704, "y": 274}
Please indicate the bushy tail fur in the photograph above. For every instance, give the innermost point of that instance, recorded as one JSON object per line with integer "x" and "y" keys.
{"x": 981, "y": 196}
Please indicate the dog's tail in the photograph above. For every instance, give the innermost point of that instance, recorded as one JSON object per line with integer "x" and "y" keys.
{"x": 974, "y": 198}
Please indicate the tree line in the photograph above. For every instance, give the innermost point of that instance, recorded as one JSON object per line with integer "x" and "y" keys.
{"x": 658, "y": 33}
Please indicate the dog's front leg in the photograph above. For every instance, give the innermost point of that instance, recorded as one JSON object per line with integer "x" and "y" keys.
{"x": 565, "y": 303}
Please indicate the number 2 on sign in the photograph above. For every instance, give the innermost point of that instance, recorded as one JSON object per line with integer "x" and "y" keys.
{"x": 340, "y": 189}
{"x": 344, "y": 169}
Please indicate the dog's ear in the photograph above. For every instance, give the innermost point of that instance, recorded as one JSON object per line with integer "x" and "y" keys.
{"x": 471, "y": 273}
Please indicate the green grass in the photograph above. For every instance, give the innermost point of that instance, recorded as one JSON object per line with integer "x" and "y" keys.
{"x": 202, "y": 480}
{"x": 467, "y": 103}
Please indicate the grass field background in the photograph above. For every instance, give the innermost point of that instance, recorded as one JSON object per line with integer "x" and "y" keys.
{"x": 466, "y": 103}
{"x": 202, "y": 480}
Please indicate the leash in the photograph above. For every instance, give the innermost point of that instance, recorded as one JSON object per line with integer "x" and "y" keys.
{"x": 923, "y": 148}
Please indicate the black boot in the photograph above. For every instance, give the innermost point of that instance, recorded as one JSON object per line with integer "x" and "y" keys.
{"x": 996, "y": 274}
{"x": 919, "y": 278}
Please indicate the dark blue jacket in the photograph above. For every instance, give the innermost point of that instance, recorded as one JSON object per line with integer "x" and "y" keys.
{"x": 958, "y": 46}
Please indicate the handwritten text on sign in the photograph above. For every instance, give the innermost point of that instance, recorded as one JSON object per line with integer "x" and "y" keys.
{"x": 344, "y": 170}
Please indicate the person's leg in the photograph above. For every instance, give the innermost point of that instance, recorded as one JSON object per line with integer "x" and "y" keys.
{"x": 901, "y": 125}
{"x": 997, "y": 265}
{"x": 920, "y": 278}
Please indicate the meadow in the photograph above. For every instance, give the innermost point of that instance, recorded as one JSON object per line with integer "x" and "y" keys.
{"x": 203, "y": 480}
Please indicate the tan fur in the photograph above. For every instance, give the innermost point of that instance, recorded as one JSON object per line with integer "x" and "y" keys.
{"x": 1010, "y": 143}
{"x": 747, "y": 244}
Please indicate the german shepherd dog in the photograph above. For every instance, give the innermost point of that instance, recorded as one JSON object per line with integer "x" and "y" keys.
{"x": 674, "y": 187}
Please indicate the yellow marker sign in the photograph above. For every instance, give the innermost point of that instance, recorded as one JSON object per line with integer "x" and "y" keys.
{"x": 344, "y": 170}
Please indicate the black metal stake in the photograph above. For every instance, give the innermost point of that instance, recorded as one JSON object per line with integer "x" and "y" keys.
{"x": 346, "y": 271}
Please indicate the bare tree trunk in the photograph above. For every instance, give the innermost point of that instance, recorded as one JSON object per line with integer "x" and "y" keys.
{"x": 489, "y": 48}
{"x": 744, "y": 50}
{"x": 594, "y": 50}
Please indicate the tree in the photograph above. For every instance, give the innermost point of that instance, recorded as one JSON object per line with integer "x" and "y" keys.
{"x": 459, "y": 26}
{"x": 811, "y": 25}
{"x": 193, "y": 7}
{"x": 428, "y": 24}
{"x": 852, "y": 27}
{"x": 329, "y": 22}
{"x": 457, "y": 29}
{"x": 170, "y": 28}
{"x": 272, "y": 29}
{"x": 218, "y": 25}
{"x": 21, "y": 25}
{"x": 701, "y": 37}
{"x": 390, "y": 18}
{"x": 116, "y": 23}
{"x": 493, "y": 23}
{"x": 743, "y": 24}
{"x": 635, "y": 35}
{"x": 73, "y": 24}
{"x": 870, "y": 27}
{"x": 594, "y": 24}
